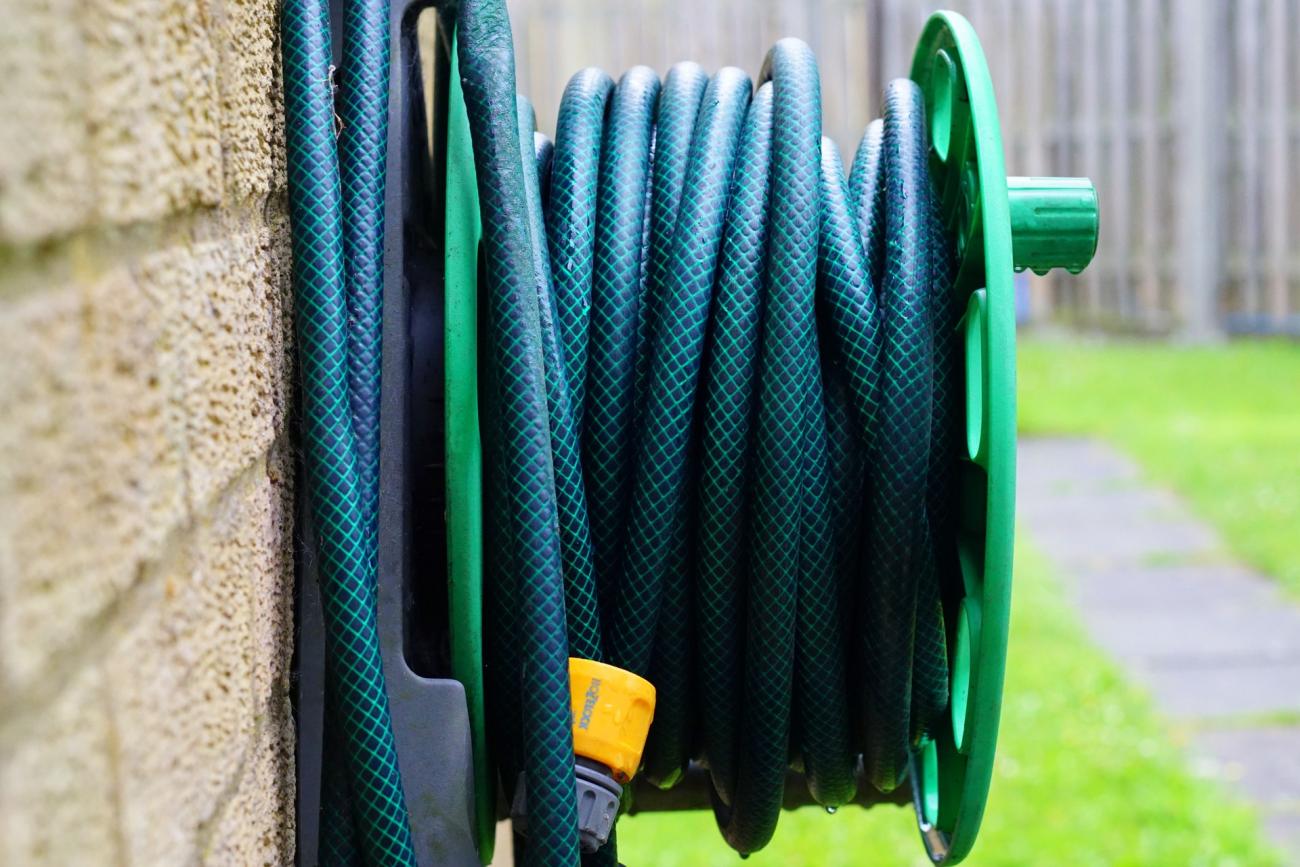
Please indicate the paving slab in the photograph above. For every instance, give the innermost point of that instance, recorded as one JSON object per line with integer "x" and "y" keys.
{"x": 1216, "y": 644}
{"x": 1248, "y": 758}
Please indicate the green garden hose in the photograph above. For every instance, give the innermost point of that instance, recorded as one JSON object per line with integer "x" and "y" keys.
{"x": 337, "y": 229}
{"x": 720, "y": 385}
{"x": 721, "y": 394}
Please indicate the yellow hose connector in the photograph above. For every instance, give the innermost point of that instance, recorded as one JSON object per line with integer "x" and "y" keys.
{"x": 612, "y": 710}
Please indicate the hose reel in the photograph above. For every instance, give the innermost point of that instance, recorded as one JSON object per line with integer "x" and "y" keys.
{"x": 997, "y": 225}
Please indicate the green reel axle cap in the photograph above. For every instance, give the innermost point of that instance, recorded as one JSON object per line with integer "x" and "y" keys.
{"x": 1053, "y": 223}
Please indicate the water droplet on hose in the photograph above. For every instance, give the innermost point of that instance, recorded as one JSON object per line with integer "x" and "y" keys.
{"x": 830, "y": 811}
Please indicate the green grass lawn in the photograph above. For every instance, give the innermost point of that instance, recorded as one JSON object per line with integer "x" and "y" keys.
{"x": 1086, "y": 775}
{"x": 1218, "y": 424}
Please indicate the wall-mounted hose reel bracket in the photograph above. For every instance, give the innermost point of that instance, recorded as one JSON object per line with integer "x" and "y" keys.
{"x": 432, "y": 726}
{"x": 431, "y": 515}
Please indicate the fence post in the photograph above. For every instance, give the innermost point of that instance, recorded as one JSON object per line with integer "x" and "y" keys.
{"x": 1278, "y": 170}
{"x": 1201, "y": 128}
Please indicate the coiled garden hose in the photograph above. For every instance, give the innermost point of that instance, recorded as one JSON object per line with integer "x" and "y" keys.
{"x": 336, "y": 200}
{"x": 721, "y": 424}
{"x": 720, "y": 389}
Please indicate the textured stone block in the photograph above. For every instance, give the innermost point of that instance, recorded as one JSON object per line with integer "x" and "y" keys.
{"x": 252, "y": 103}
{"x": 256, "y": 826}
{"x": 154, "y": 109}
{"x": 45, "y": 155}
{"x": 146, "y": 505}
{"x": 112, "y": 114}
{"x": 272, "y": 617}
{"x": 182, "y": 678}
{"x": 56, "y": 782}
{"x": 92, "y": 475}
{"x": 232, "y": 330}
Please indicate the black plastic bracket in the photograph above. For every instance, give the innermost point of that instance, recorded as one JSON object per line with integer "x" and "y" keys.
{"x": 430, "y": 718}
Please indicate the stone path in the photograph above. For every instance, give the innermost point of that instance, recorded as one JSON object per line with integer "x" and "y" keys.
{"x": 1217, "y": 645}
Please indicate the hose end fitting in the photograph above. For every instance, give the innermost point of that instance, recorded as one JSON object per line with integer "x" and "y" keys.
{"x": 612, "y": 710}
{"x": 598, "y": 800}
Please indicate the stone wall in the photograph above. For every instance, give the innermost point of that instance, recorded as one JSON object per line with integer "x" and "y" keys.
{"x": 146, "y": 495}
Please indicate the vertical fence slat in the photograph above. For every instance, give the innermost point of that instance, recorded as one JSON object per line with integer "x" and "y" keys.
{"x": 891, "y": 38}
{"x": 1117, "y": 131}
{"x": 1248, "y": 126}
{"x": 1278, "y": 162}
{"x": 1197, "y": 78}
{"x": 1292, "y": 323}
{"x": 1153, "y": 177}
{"x": 1064, "y": 123}
{"x": 1037, "y": 157}
{"x": 1089, "y": 59}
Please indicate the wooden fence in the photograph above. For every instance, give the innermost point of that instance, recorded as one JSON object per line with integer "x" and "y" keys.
{"x": 1183, "y": 112}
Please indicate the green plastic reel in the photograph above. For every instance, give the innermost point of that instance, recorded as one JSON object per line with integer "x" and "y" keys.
{"x": 1001, "y": 226}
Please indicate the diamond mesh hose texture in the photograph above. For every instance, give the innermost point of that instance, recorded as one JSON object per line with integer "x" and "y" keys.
{"x": 336, "y": 200}
{"x": 719, "y": 393}
{"x": 720, "y": 396}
